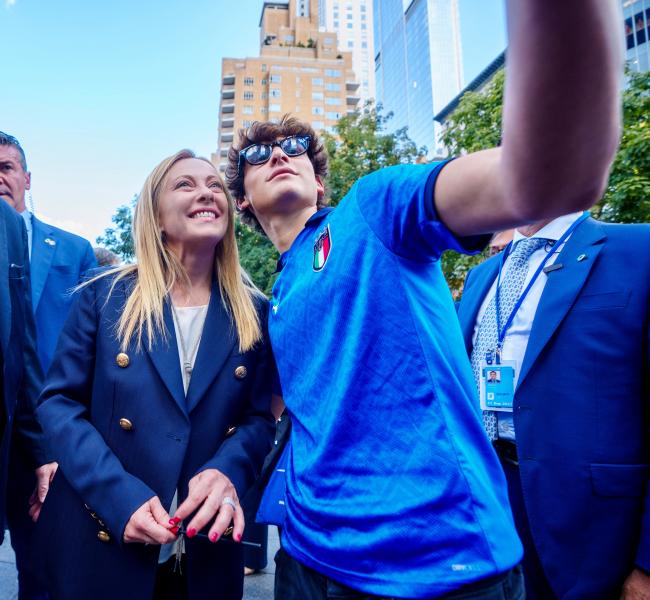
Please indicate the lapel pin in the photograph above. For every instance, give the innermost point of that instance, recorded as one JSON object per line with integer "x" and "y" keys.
{"x": 49, "y": 242}
{"x": 582, "y": 257}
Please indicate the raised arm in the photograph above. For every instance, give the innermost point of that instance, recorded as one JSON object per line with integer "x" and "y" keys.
{"x": 561, "y": 120}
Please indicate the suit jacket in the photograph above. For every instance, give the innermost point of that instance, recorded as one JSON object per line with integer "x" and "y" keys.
{"x": 21, "y": 377}
{"x": 123, "y": 431}
{"x": 58, "y": 263}
{"x": 581, "y": 408}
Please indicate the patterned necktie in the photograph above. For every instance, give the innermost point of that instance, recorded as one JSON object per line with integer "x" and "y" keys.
{"x": 511, "y": 288}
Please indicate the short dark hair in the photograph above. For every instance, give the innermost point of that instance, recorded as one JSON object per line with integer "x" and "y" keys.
{"x": 10, "y": 140}
{"x": 267, "y": 132}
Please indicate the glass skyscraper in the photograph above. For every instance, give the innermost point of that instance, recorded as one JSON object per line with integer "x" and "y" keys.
{"x": 418, "y": 63}
{"x": 636, "y": 15}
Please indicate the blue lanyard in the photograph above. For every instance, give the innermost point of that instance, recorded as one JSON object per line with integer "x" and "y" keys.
{"x": 520, "y": 300}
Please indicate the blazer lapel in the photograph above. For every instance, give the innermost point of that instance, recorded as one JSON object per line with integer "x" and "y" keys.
{"x": 5, "y": 301}
{"x": 473, "y": 297}
{"x": 217, "y": 342}
{"x": 560, "y": 292}
{"x": 164, "y": 356}
{"x": 44, "y": 244}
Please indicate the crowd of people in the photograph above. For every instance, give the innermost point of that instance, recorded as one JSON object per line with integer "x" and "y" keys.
{"x": 497, "y": 448}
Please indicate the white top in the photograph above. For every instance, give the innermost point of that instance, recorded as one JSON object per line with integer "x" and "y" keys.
{"x": 516, "y": 339}
{"x": 189, "y": 320}
{"x": 27, "y": 217}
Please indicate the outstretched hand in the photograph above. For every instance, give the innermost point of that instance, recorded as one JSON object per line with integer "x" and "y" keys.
{"x": 213, "y": 496}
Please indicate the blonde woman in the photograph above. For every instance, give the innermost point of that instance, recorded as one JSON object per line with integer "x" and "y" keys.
{"x": 157, "y": 406}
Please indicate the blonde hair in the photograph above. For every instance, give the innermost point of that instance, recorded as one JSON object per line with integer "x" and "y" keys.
{"x": 157, "y": 270}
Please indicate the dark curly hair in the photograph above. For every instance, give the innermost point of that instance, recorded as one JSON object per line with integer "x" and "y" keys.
{"x": 260, "y": 132}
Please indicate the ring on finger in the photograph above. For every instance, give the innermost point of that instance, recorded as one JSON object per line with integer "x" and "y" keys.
{"x": 230, "y": 502}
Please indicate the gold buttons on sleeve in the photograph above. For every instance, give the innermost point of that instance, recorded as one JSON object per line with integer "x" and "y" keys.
{"x": 241, "y": 372}
{"x": 230, "y": 431}
{"x": 126, "y": 424}
{"x": 122, "y": 360}
{"x": 103, "y": 536}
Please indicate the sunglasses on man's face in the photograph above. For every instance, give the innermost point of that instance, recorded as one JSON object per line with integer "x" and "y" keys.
{"x": 258, "y": 154}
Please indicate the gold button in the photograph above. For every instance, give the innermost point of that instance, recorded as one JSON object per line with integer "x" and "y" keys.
{"x": 102, "y": 536}
{"x": 240, "y": 372}
{"x": 126, "y": 424}
{"x": 122, "y": 360}
{"x": 230, "y": 431}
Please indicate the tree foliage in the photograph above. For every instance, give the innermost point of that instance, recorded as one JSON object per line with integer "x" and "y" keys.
{"x": 361, "y": 145}
{"x": 118, "y": 239}
{"x": 257, "y": 256}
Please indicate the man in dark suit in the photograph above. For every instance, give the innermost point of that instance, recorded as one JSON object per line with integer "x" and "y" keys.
{"x": 575, "y": 448}
{"x": 20, "y": 375}
{"x": 58, "y": 261}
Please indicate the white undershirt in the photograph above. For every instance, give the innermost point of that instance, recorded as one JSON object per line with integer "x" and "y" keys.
{"x": 516, "y": 340}
{"x": 190, "y": 320}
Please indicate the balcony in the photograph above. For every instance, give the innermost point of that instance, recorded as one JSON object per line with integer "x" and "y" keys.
{"x": 353, "y": 100}
{"x": 228, "y": 94}
{"x": 228, "y": 123}
{"x": 227, "y": 108}
{"x": 352, "y": 86}
{"x": 228, "y": 80}
{"x": 227, "y": 137}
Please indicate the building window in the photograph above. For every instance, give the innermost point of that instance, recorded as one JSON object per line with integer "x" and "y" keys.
{"x": 349, "y": 16}
{"x": 275, "y": 93}
{"x": 275, "y": 78}
{"x": 333, "y": 87}
{"x": 288, "y": 38}
{"x": 318, "y": 125}
{"x": 263, "y": 68}
{"x": 363, "y": 17}
{"x": 264, "y": 81}
{"x": 328, "y": 41}
{"x": 363, "y": 8}
{"x": 274, "y": 108}
{"x": 336, "y": 24}
{"x": 349, "y": 25}
{"x": 350, "y": 44}
{"x": 317, "y": 81}
{"x": 336, "y": 14}
{"x": 247, "y": 123}
{"x": 248, "y": 81}
{"x": 317, "y": 110}
{"x": 364, "y": 26}
{"x": 264, "y": 96}
{"x": 333, "y": 116}
{"x": 333, "y": 101}
{"x": 248, "y": 95}
{"x": 639, "y": 26}
{"x": 364, "y": 44}
{"x": 247, "y": 110}
{"x": 332, "y": 73}
{"x": 263, "y": 110}
{"x": 317, "y": 96}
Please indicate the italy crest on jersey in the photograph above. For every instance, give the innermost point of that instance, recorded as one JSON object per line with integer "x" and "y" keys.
{"x": 322, "y": 247}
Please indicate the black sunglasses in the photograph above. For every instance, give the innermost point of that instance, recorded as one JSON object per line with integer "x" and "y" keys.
{"x": 258, "y": 154}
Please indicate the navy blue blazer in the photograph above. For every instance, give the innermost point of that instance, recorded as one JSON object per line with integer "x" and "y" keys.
{"x": 581, "y": 408}
{"x": 109, "y": 467}
{"x": 58, "y": 263}
{"x": 21, "y": 377}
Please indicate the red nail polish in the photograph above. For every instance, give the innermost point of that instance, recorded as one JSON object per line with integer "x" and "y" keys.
{"x": 191, "y": 532}
{"x": 238, "y": 537}
{"x": 214, "y": 537}
{"x": 174, "y": 530}
{"x": 174, "y": 520}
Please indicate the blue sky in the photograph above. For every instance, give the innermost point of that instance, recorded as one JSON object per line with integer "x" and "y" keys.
{"x": 99, "y": 92}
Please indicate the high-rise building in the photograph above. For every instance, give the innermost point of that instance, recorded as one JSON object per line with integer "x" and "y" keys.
{"x": 300, "y": 71}
{"x": 418, "y": 63}
{"x": 351, "y": 20}
{"x": 636, "y": 15}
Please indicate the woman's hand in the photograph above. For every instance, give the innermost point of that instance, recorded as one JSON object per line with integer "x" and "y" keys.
{"x": 215, "y": 494}
{"x": 44, "y": 476}
{"x": 149, "y": 524}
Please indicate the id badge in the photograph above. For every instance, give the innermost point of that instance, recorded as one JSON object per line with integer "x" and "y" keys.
{"x": 497, "y": 386}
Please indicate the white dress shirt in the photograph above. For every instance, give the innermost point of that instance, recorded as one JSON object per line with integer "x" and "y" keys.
{"x": 27, "y": 217}
{"x": 516, "y": 338}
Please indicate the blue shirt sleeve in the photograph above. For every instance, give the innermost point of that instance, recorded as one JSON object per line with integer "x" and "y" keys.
{"x": 398, "y": 205}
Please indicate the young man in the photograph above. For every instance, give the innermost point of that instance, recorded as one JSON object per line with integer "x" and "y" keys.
{"x": 392, "y": 487}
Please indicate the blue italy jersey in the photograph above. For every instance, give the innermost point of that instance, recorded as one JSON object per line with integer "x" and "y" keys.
{"x": 392, "y": 485}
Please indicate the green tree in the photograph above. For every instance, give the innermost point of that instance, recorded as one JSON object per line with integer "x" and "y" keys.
{"x": 118, "y": 239}
{"x": 257, "y": 255}
{"x": 627, "y": 199}
{"x": 361, "y": 145}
